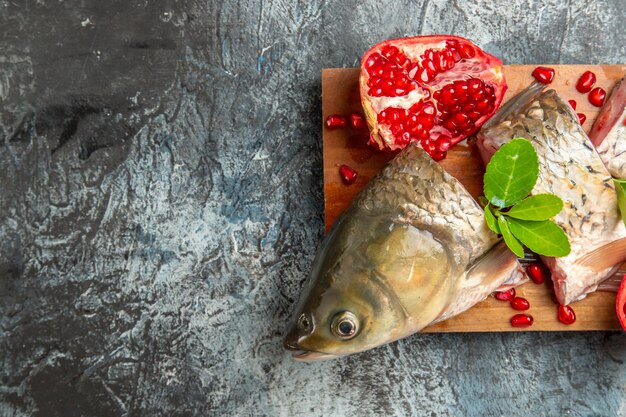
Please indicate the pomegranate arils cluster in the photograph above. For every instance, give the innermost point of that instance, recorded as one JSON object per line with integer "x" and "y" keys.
{"x": 463, "y": 102}
{"x": 392, "y": 74}
{"x": 409, "y": 125}
{"x": 388, "y": 73}
{"x": 433, "y": 90}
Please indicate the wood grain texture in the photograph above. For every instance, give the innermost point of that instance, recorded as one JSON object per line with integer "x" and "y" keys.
{"x": 348, "y": 146}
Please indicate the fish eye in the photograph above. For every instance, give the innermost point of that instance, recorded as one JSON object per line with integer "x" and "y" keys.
{"x": 344, "y": 325}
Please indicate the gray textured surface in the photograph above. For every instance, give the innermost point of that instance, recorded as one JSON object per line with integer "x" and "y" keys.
{"x": 161, "y": 202}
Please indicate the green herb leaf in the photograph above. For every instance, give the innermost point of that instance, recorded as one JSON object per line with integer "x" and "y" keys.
{"x": 483, "y": 201}
{"x": 509, "y": 239}
{"x": 537, "y": 207}
{"x": 512, "y": 173}
{"x": 620, "y": 187}
{"x": 545, "y": 238}
{"x": 491, "y": 221}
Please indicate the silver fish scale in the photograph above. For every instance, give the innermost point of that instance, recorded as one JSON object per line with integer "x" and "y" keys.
{"x": 580, "y": 179}
{"x": 418, "y": 191}
{"x": 570, "y": 168}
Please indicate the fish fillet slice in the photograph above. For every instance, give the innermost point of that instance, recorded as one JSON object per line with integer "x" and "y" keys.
{"x": 570, "y": 168}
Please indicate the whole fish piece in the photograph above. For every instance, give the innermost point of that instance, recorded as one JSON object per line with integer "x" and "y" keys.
{"x": 608, "y": 133}
{"x": 570, "y": 168}
{"x": 413, "y": 249}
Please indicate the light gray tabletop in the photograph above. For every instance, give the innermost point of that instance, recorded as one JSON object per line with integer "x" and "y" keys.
{"x": 161, "y": 203}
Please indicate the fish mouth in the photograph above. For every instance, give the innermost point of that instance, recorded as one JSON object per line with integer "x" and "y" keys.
{"x": 307, "y": 355}
{"x": 312, "y": 356}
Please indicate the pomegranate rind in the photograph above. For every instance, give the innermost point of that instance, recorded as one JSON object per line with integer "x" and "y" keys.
{"x": 493, "y": 73}
{"x": 620, "y": 303}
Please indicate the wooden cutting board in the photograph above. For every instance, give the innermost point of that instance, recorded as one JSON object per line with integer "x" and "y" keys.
{"x": 340, "y": 95}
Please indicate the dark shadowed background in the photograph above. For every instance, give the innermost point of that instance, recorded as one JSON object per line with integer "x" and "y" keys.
{"x": 161, "y": 203}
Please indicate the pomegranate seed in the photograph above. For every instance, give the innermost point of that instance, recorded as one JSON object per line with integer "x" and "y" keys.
{"x": 519, "y": 303}
{"x": 522, "y": 320}
{"x": 335, "y": 121}
{"x": 505, "y": 295}
{"x": 389, "y": 51}
{"x": 572, "y": 103}
{"x": 585, "y": 82}
{"x": 536, "y": 273}
{"x": 371, "y": 61}
{"x": 566, "y": 315}
{"x": 465, "y": 50}
{"x": 430, "y": 148}
{"x": 438, "y": 156}
{"x": 429, "y": 109}
{"x": 443, "y": 143}
{"x": 348, "y": 175}
{"x": 475, "y": 84}
{"x": 544, "y": 75}
{"x": 581, "y": 118}
{"x": 597, "y": 96}
{"x": 375, "y": 92}
{"x": 357, "y": 121}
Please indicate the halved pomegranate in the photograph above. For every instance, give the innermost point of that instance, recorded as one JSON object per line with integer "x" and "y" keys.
{"x": 620, "y": 303}
{"x": 435, "y": 90}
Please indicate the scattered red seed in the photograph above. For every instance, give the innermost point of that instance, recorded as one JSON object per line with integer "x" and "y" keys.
{"x": 572, "y": 103}
{"x": 581, "y": 118}
{"x": 505, "y": 295}
{"x": 335, "y": 121}
{"x": 357, "y": 121}
{"x": 522, "y": 320}
{"x": 585, "y": 82}
{"x": 597, "y": 96}
{"x": 348, "y": 175}
{"x": 544, "y": 75}
{"x": 536, "y": 273}
{"x": 519, "y": 303}
{"x": 566, "y": 315}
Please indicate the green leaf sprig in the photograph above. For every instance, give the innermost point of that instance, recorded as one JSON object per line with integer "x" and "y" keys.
{"x": 510, "y": 211}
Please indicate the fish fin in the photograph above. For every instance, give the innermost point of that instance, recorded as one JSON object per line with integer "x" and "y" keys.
{"x": 605, "y": 256}
{"x": 612, "y": 283}
{"x": 495, "y": 265}
{"x": 489, "y": 272}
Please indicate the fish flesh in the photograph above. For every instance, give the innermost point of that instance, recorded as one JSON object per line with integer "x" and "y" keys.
{"x": 413, "y": 249}
{"x": 608, "y": 133}
{"x": 569, "y": 167}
